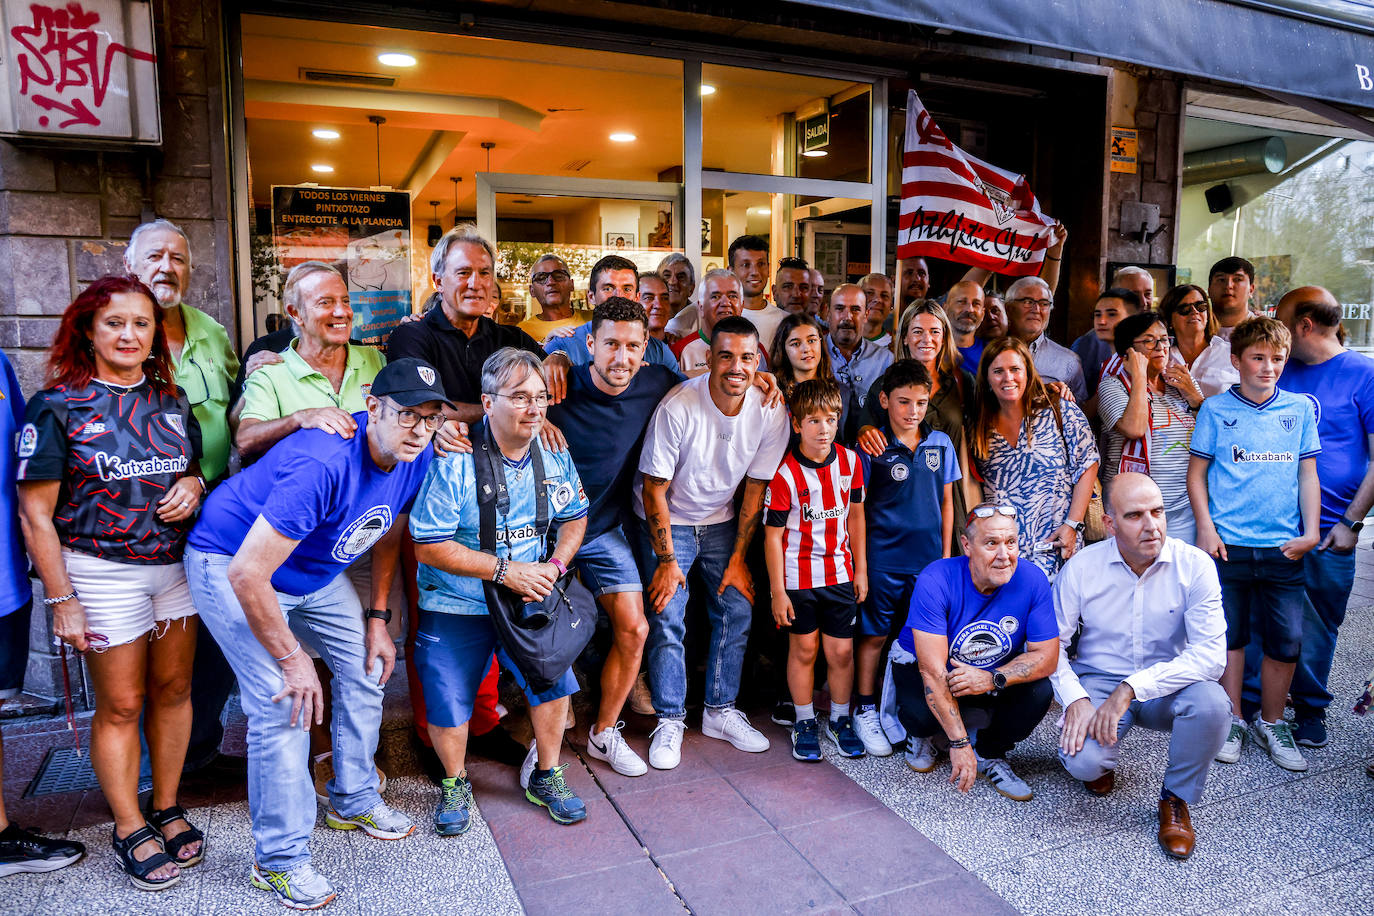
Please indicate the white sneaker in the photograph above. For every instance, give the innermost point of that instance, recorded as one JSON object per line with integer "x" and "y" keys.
{"x": 1235, "y": 740}
{"x": 729, "y": 724}
{"x": 870, "y": 732}
{"x": 920, "y": 754}
{"x": 665, "y": 744}
{"x": 527, "y": 768}
{"x": 641, "y": 700}
{"x": 1277, "y": 741}
{"x": 611, "y": 747}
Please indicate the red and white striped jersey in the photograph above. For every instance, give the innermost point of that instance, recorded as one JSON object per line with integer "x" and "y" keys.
{"x": 811, "y": 502}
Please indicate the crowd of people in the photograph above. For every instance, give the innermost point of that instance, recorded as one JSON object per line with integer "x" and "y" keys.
{"x": 961, "y": 518}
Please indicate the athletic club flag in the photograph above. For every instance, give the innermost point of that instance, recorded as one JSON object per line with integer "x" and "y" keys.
{"x": 960, "y": 208}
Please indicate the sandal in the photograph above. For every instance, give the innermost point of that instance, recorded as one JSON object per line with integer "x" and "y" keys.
{"x": 138, "y": 871}
{"x": 176, "y": 844}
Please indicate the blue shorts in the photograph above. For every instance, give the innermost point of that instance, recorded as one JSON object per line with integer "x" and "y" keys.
{"x": 1264, "y": 593}
{"x": 889, "y": 602}
{"x": 14, "y": 650}
{"x": 606, "y": 564}
{"x": 452, "y": 652}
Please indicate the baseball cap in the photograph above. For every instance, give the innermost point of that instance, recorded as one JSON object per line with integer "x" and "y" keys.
{"x": 408, "y": 382}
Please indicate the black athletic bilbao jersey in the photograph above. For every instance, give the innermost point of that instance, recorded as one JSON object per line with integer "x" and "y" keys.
{"x": 116, "y": 451}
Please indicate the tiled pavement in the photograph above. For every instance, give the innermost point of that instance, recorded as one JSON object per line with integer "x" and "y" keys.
{"x": 730, "y": 832}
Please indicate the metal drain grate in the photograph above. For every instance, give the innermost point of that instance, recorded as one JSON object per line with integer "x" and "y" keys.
{"x": 63, "y": 770}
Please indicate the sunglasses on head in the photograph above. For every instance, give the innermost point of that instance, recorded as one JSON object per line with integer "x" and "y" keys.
{"x": 989, "y": 511}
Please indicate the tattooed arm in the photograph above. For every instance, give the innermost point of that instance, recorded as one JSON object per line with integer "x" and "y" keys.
{"x": 750, "y": 513}
{"x": 932, "y": 656}
{"x": 668, "y": 576}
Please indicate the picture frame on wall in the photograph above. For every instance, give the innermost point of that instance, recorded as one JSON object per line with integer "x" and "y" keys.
{"x": 621, "y": 239}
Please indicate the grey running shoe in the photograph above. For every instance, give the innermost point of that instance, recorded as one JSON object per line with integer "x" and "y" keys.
{"x": 381, "y": 822}
{"x": 920, "y": 754}
{"x": 1235, "y": 740}
{"x": 1277, "y": 741}
{"x": 1004, "y": 779}
{"x": 301, "y": 888}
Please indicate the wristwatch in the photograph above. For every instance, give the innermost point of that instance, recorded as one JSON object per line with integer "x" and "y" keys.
{"x": 1353, "y": 526}
{"x": 1079, "y": 527}
{"x": 381, "y": 614}
{"x": 999, "y": 681}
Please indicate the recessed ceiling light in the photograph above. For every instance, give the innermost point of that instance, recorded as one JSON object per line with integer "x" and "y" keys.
{"x": 708, "y": 89}
{"x": 393, "y": 59}
{"x": 325, "y": 133}
{"x": 815, "y": 153}
{"x": 320, "y": 167}
{"x": 623, "y": 137}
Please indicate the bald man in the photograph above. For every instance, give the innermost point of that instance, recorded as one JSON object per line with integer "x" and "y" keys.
{"x": 1340, "y": 384}
{"x": 964, "y": 305}
{"x": 1151, "y": 651}
{"x": 1139, "y": 281}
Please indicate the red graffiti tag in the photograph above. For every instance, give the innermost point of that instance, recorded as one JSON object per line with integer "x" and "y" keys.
{"x": 62, "y": 51}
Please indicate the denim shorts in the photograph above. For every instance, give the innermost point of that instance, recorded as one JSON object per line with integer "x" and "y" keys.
{"x": 452, "y": 652}
{"x": 606, "y": 564}
{"x": 1265, "y": 592}
{"x": 888, "y": 602}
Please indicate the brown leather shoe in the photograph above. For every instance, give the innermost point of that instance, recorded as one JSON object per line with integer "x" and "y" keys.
{"x": 1103, "y": 784}
{"x": 1176, "y": 835}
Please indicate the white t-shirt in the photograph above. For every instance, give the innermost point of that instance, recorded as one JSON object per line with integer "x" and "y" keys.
{"x": 695, "y": 358}
{"x": 684, "y": 322}
{"x": 1212, "y": 369}
{"x": 707, "y": 454}
{"x": 766, "y": 320}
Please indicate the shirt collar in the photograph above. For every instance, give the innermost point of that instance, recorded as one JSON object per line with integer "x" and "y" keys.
{"x": 439, "y": 319}
{"x": 303, "y": 370}
{"x": 1167, "y": 556}
{"x": 196, "y": 322}
{"x": 1235, "y": 392}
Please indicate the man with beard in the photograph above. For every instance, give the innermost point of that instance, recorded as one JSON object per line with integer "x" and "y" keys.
{"x": 855, "y": 361}
{"x": 964, "y": 305}
{"x": 551, "y": 285}
{"x": 792, "y": 286}
{"x": 915, "y": 280}
{"x": 748, "y": 259}
{"x": 878, "y": 294}
{"x": 611, "y": 276}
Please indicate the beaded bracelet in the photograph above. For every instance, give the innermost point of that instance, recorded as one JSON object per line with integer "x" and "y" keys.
{"x": 52, "y": 602}
{"x": 502, "y": 564}
{"x": 959, "y": 742}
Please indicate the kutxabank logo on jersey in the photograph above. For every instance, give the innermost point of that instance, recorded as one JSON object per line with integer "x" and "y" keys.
{"x": 112, "y": 467}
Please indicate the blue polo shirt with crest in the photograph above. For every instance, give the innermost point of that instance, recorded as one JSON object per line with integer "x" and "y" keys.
{"x": 1252, "y": 477}
{"x": 902, "y": 505}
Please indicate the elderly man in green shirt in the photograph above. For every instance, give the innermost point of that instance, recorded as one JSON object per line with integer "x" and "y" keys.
{"x": 203, "y": 359}
{"x": 322, "y": 379}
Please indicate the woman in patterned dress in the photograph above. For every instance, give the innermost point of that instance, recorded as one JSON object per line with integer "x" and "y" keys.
{"x": 1034, "y": 451}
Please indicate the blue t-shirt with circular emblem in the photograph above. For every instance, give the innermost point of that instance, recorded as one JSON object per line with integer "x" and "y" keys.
{"x": 983, "y": 630}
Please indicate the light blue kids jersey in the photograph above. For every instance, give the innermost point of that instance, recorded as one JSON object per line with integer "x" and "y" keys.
{"x": 446, "y": 509}
{"x": 1254, "y": 449}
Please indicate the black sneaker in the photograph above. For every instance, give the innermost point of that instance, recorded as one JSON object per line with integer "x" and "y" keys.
{"x": 784, "y": 713}
{"x": 806, "y": 740}
{"x": 24, "y": 851}
{"x": 1310, "y": 732}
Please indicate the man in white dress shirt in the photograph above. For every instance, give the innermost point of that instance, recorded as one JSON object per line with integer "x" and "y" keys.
{"x": 1153, "y": 660}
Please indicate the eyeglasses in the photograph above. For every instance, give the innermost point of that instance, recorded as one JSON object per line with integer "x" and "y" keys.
{"x": 408, "y": 418}
{"x": 523, "y": 401}
{"x": 558, "y": 276}
{"x": 1036, "y": 303}
{"x": 1151, "y": 343}
{"x": 989, "y": 512}
{"x": 1191, "y": 308}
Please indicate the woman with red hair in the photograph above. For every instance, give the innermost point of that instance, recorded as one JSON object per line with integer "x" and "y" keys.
{"x": 109, "y": 483}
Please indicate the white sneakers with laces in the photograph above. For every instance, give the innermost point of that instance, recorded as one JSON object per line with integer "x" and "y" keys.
{"x": 610, "y": 746}
{"x": 870, "y": 732}
{"x": 665, "y": 744}
{"x": 729, "y": 724}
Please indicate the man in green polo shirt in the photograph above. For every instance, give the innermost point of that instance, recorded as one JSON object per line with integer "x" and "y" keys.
{"x": 203, "y": 359}
{"x": 322, "y": 379}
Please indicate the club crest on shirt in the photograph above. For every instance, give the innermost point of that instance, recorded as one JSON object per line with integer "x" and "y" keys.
{"x": 426, "y": 374}
{"x": 28, "y": 441}
{"x": 1009, "y": 624}
{"x": 899, "y": 471}
{"x": 561, "y": 496}
{"x": 1288, "y": 421}
{"x": 174, "y": 421}
{"x": 366, "y": 530}
{"x": 932, "y": 459}
{"x": 980, "y": 644}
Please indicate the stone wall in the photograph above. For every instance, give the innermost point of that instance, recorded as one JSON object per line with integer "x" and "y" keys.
{"x": 65, "y": 216}
{"x": 1153, "y": 104}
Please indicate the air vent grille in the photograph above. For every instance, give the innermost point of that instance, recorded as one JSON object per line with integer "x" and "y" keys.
{"x": 352, "y": 79}
{"x": 575, "y": 165}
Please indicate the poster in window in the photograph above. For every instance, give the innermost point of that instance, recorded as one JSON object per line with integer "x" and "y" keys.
{"x": 364, "y": 234}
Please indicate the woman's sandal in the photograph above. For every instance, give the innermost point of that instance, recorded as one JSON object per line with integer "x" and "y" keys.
{"x": 176, "y": 844}
{"x": 138, "y": 871}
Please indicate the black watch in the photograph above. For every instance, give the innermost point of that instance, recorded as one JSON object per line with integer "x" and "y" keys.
{"x": 381, "y": 614}
{"x": 999, "y": 681}
{"x": 1353, "y": 526}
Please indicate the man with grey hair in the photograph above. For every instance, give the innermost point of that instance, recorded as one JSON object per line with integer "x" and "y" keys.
{"x": 1029, "y": 302}
{"x": 203, "y": 360}
{"x": 719, "y": 295}
{"x": 1139, "y": 281}
{"x": 457, "y": 337}
{"x": 816, "y": 305}
{"x": 856, "y": 362}
{"x": 878, "y": 295}
{"x": 322, "y": 379}
{"x": 458, "y": 636}
{"x": 551, "y": 285}
{"x": 677, "y": 271}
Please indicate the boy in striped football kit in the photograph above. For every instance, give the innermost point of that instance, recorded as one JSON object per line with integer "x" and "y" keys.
{"x": 814, "y": 543}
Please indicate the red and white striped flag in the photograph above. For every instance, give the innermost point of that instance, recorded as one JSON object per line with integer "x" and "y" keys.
{"x": 960, "y": 208}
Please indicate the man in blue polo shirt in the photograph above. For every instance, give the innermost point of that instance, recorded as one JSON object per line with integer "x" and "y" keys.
{"x": 607, "y": 409}
{"x": 976, "y": 654}
{"x": 1340, "y": 385}
{"x": 909, "y": 518}
{"x": 266, "y": 569}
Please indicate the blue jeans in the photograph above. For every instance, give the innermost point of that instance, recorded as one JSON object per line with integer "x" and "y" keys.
{"x": 1329, "y": 576}
{"x": 281, "y": 795}
{"x": 707, "y": 548}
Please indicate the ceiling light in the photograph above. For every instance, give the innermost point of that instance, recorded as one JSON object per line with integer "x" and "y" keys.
{"x": 322, "y": 168}
{"x": 392, "y": 59}
{"x": 708, "y": 89}
{"x": 623, "y": 137}
{"x": 815, "y": 153}
{"x": 325, "y": 133}
{"x": 759, "y": 211}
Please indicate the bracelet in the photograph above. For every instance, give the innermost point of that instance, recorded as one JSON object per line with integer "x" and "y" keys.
{"x": 502, "y": 564}
{"x": 959, "y": 742}
{"x": 562, "y": 570}
{"x": 289, "y": 654}
{"x": 52, "y": 602}
{"x": 204, "y": 487}
{"x": 1049, "y": 257}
